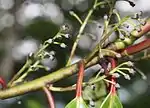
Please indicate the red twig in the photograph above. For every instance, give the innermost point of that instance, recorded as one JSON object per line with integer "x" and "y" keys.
{"x": 49, "y": 97}
{"x": 113, "y": 79}
{"x": 136, "y": 48}
{"x": 3, "y": 83}
{"x": 80, "y": 79}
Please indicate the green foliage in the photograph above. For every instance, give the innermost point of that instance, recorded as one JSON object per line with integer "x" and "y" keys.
{"x": 111, "y": 101}
{"x": 33, "y": 104}
{"x": 95, "y": 92}
{"x": 77, "y": 102}
{"x": 42, "y": 29}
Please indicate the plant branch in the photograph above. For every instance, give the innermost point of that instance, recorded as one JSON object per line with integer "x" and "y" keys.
{"x": 28, "y": 62}
{"x": 62, "y": 89}
{"x": 41, "y": 82}
{"x": 136, "y": 48}
{"x": 81, "y": 31}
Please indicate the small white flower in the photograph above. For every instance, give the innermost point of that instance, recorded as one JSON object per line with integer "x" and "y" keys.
{"x": 105, "y": 17}
{"x": 144, "y": 77}
{"x": 63, "y": 45}
{"x": 116, "y": 75}
{"x": 130, "y": 63}
{"x": 71, "y": 12}
{"x": 52, "y": 52}
{"x": 19, "y": 102}
{"x": 126, "y": 76}
{"x": 117, "y": 85}
{"x": 50, "y": 41}
{"x": 66, "y": 35}
{"x": 118, "y": 55}
{"x": 132, "y": 71}
{"x": 91, "y": 104}
{"x": 31, "y": 55}
{"x": 65, "y": 27}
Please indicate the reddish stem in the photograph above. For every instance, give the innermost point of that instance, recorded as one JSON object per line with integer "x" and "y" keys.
{"x": 136, "y": 48}
{"x": 80, "y": 79}
{"x": 49, "y": 97}
{"x": 3, "y": 83}
{"x": 113, "y": 79}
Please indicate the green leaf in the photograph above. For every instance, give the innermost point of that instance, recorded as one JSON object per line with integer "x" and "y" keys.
{"x": 111, "y": 101}
{"x": 33, "y": 104}
{"x": 77, "y": 102}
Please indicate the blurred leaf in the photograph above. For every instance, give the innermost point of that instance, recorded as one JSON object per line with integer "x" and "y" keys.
{"x": 111, "y": 101}
{"x": 33, "y": 104}
{"x": 96, "y": 92}
{"x": 42, "y": 29}
{"x": 77, "y": 103}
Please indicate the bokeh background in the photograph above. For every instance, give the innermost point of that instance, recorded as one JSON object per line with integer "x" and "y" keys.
{"x": 25, "y": 24}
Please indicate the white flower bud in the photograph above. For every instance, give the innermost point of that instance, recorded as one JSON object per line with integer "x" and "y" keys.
{"x": 65, "y": 27}
{"x": 117, "y": 85}
{"x": 63, "y": 45}
{"x": 116, "y": 75}
{"x": 130, "y": 64}
{"x": 144, "y": 77}
{"x": 71, "y": 12}
{"x": 19, "y": 102}
{"x": 52, "y": 52}
{"x": 50, "y": 41}
{"x": 91, "y": 104}
{"x": 132, "y": 71}
{"x": 66, "y": 35}
{"x": 118, "y": 55}
{"x": 126, "y": 76}
{"x": 105, "y": 17}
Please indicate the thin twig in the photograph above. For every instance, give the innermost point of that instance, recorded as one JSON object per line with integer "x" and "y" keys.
{"x": 81, "y": 31}
{"x": 49, "y": 97}
{"x": 28, "y": 62}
